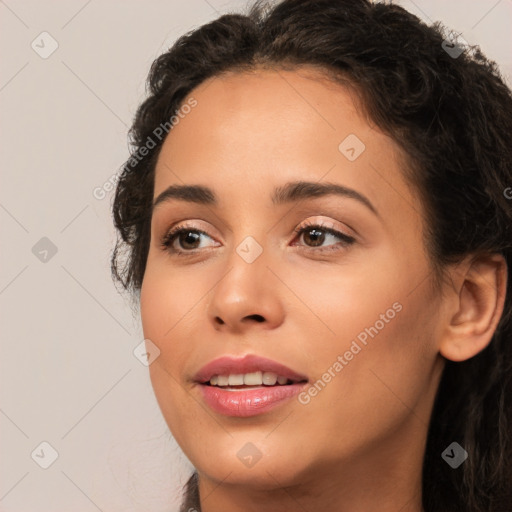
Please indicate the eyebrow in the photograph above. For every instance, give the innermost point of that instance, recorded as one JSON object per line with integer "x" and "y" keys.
{"x": 290, "y": 192}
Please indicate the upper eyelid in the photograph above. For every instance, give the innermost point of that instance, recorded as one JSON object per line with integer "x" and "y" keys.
{"x": 326, "y": 224}
{"x": 323, "y": 224}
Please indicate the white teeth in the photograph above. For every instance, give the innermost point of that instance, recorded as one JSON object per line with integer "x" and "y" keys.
{"x": 236, "y": 380}
{"x": 222, "y": 380}
{"x": 249, "y": 379}
{"x": 253, "y": 379}
{"x": 269, "y": 378}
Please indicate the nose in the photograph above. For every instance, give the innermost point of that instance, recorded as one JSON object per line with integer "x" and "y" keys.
{"x": 246, "y": 297}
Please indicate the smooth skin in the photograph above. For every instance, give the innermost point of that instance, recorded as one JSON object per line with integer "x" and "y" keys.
{"x": 358, "y": 445}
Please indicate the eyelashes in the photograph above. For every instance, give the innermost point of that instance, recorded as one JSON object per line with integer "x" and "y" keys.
{"x": 183, "y": 234}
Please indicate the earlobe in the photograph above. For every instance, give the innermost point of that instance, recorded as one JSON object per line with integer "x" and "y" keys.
{"x": 478, "y": 308}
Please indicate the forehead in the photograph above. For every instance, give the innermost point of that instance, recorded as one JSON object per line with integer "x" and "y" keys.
{"x": 305, "y": 89}
{"x": 265, "y": 100}
{"x": 252, "y": 128}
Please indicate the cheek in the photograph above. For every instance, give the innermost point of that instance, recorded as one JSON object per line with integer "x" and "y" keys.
{"x": 168, "y": 298}
{"x": 373, "y": 343}
{"x": 166, "y": 307}
{"x": 356, "y": 301}
{"x": 166, "y": 304}
{"x": 388, "y": 353}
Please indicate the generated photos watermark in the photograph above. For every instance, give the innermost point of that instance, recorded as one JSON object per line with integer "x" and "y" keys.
{"x": 157, "y": 135}
{"x": 357, "y": 345}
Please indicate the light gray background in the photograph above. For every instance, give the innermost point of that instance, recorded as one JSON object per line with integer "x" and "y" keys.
{"x": 68, "y": 373}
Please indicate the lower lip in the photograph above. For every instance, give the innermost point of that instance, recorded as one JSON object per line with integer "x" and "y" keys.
{"x": 248, "y": 402}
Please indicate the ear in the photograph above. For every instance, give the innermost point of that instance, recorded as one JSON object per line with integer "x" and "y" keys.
{"x": 475, "y": 305}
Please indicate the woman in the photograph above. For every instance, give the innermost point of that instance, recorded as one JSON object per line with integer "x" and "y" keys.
{"x": 317, "y": 218}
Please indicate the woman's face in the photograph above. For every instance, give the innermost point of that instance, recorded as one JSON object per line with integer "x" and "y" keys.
{"x": 357, "y": 316}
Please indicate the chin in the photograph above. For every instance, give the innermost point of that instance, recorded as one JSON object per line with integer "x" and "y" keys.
{"x": 240, "y": 462}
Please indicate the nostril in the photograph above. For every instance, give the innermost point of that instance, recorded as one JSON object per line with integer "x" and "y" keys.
{"x": 258, "y": 318}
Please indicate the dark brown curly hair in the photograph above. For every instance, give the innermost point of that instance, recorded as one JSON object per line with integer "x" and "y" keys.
{"x": 452, "y": 116}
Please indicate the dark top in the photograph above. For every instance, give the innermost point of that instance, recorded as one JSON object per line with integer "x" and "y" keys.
{"x": 191, "y": 499}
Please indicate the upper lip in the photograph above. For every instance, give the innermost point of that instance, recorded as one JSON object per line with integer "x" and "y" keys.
{"x": 230, "y": 365}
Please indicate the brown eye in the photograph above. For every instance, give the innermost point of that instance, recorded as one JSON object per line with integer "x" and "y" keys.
{"x": 187, "y": 239}
{"x": 315, "y": 235}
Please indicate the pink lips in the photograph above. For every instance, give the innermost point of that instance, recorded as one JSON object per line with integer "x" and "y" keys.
{"x": 250, "y": 401}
